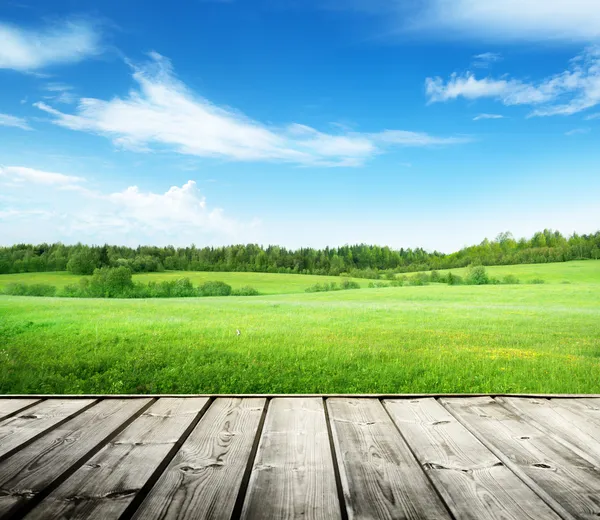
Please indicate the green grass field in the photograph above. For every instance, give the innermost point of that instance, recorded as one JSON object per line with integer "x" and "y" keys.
{"x": 436, "y": 338}
{"x": 265, "y": 283}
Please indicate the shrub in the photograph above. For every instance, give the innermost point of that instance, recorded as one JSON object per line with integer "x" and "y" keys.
{"x": 37, "y": 289}
{"x": 377, "y": 285}
{"x": 349, "y": 284}
{"x": 418, "y": 279}
{"x": 434, "y": 277}
{"x": 111, "y": 282}
{"x": 477, "y": 275}
{"x": 511, "y": 279}
{"x": 326, "y": 287}
{"x": 454, "y": 279}
{"x": 214, "y": 289}
{"x": 537, "y": 281}
{"x": 247, "y": 290}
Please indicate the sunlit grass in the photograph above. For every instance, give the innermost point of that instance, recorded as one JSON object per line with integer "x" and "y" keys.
{"x": 525, "y": 338}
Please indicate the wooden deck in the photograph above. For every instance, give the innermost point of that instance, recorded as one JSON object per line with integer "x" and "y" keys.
{"x": 311, "y": 457}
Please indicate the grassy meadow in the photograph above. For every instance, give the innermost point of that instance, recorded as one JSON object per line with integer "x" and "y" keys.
{"x": 434, "y": 338}
{"x": 265, "y": 283}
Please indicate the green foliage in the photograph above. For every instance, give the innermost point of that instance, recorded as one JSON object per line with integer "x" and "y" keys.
{"x": 247, "y": 290}
{"x": 418, "y": 279}
{"x": 325, "y": 287}
{"x": 21, "y": 289}
{"x": 537, "y": 281}
{"x": 435, "y": 277}
{"x": 477, "y": 275}
{"x": 347, "y": 284}
{"x": 454, "y": 279}
{"x": 361, "y": 261}
{"x": 82, "y": 262}
{"x": 510, "y": 279}
{"x": 214, "y": 289}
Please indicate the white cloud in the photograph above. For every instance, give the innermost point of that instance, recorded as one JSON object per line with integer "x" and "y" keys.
{"x": 571, "y": 91}
{"x": 59, "y": 93}
{"x": 485, "y": 60}
{"x": 487, "y": 116}
{"x": 573, "y": 20}
{"x": 16, "y": 122}
{"x": 179, "y": 216}
{"x": 164, "y": 113}
{"x": 593, "y": 116}
{"x": 27, "y": 50}
{"x": 31, "y": 176}
{"x": 578, "y": 131}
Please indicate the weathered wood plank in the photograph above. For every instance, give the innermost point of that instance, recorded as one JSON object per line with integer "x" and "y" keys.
{"x": 380, "y": 477}
{"x": 575, "y": 430}
{"x": 31, "y": 470}
{"x": 10, "y": 406}
{"x": 470, "y": 478}
{"x": 293, "y": 474}
{"x": 32, "y": 422}
{"x": 104, "y": 486}
{"x": 590, "y": 407}
{"x": 204, "y": 478}
{"x": 569, "y": 483}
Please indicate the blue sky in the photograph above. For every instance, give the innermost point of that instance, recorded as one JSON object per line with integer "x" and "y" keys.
{"x": 303, "y": 123}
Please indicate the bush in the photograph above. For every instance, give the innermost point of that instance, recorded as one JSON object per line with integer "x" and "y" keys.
{"x": 454, "y": 279}
{"x": 537, "y": 281}
{"x": 111, "y": 282}
{"x": 510, "y": 279}
{"x": 434, "y": 277}
{"x": 326, "y": 287}
{"x": 247, "y": 290}
{"x": 349, "y": 284}
{"x": 477, "y": 275}
{"x": 418, "y": 279}
{"x": 37, "y": 289}
{"x": 373, "y": 285}
{"x": 214, "y": 289}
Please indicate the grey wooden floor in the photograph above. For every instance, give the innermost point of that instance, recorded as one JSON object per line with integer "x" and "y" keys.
{"x": 311, "y": 457}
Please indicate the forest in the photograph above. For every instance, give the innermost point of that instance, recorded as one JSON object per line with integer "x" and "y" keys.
{"x": 365, "y": 261}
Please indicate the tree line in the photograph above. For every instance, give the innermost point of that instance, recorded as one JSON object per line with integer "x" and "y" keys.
{"x": 365, "y": 261}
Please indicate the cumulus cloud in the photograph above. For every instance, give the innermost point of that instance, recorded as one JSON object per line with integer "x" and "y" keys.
{"x": 488, "y": 116}
{"x": 26, "y": 50}
{"x": 131, "y": 216}
{"x": 571, "y": 91}
{"x": 162, "y": 113}
{"x": 16, "y": 122}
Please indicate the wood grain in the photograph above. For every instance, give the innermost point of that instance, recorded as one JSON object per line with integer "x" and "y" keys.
{"x": 569, "y": 483}
{"x": 293, "y": 475}
{"x": 472, "y": 480}
{"x": 380, "y": 477}
{"x": 574, "y": 429}
{"x": 30, "y": 423}
{"x": 203, "y": 480}
{"x": 29, "y": 471}
{"x": 10, "y": 406}
{"x": 104, "y": 486}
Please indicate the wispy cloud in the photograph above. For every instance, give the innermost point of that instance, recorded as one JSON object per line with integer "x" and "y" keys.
{"x": 577, "y": 20}
{"x": 485, "y": 60}
{"x": 14, "y": 121}
{"x": 571, "y": 91}
{"x": 131, "y": 216}
{"x": 59, "y": 93}
{"x": 164, "y": 114}
{"x": 488, "y": 116}
{"x": 593, "y": 116}
{"x": 578, "y": 131}
{"x": 26, "y": 49}
{"x": 23, "y": 175}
